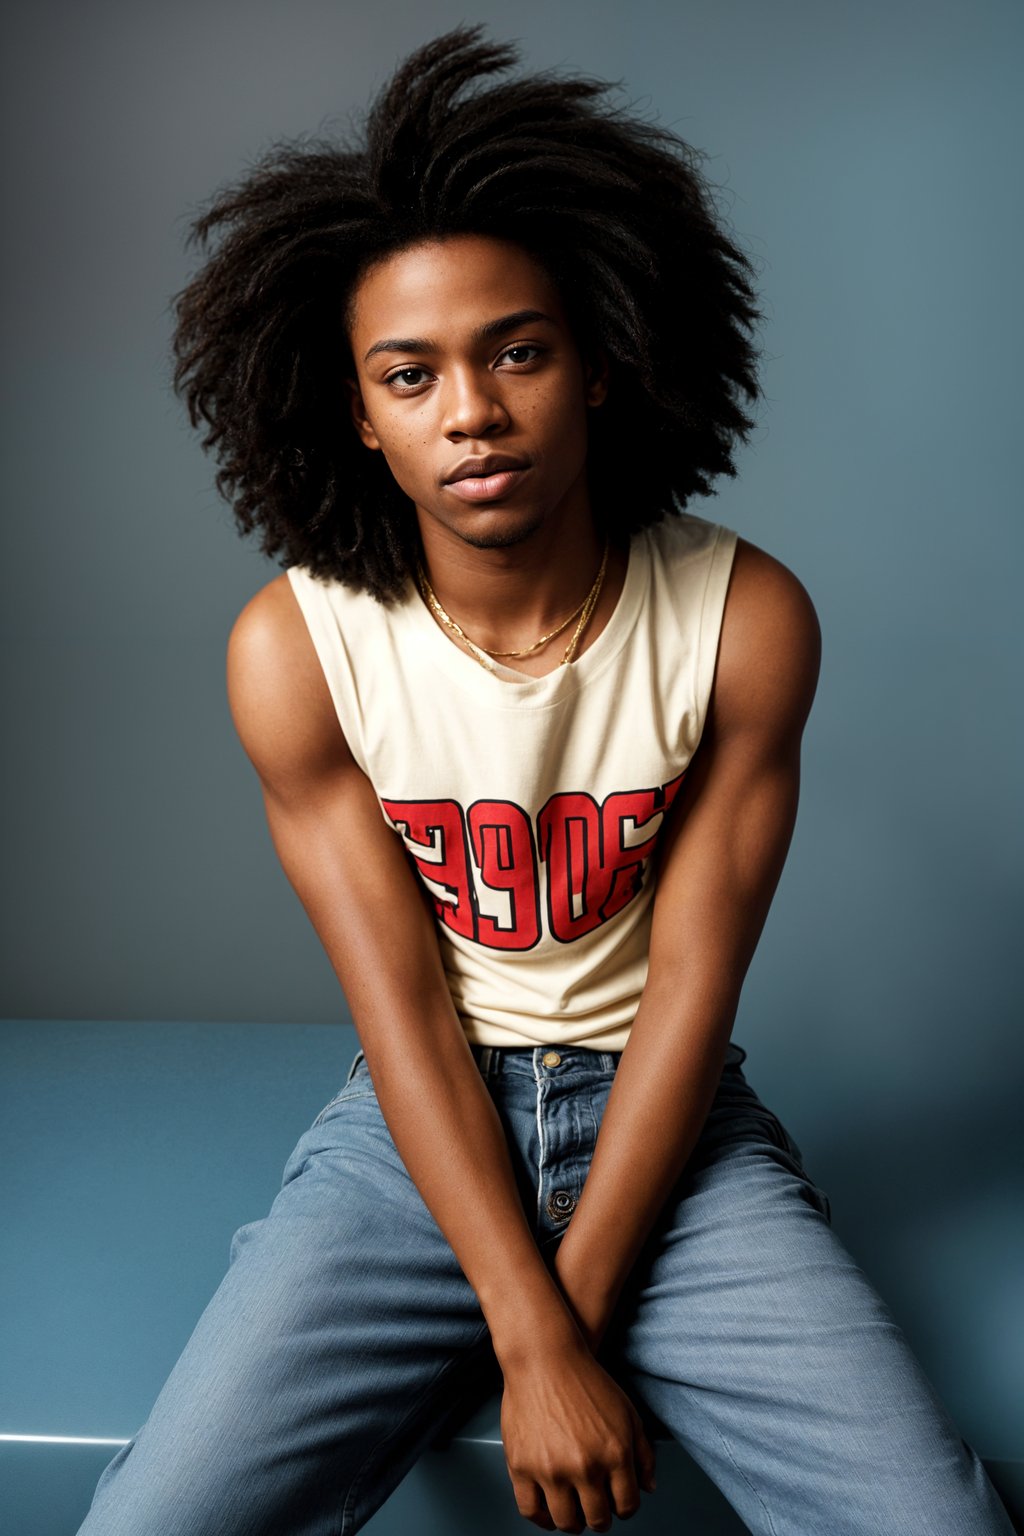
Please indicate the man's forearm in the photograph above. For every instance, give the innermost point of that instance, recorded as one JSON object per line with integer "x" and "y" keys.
{"x": 662, "y": 1093}
{"x": 449, "y": 1135}
{"x": 720, "y": 866}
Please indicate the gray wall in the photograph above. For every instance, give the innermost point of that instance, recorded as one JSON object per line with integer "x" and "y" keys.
{"x": 870, "y": 158}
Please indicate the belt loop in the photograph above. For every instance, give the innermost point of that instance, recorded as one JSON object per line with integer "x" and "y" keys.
{"x": 485, "y": 1060}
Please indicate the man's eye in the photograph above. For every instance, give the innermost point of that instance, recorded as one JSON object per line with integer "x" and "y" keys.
{"x": 523, "y": 346}
{"x": 401, "y": 374}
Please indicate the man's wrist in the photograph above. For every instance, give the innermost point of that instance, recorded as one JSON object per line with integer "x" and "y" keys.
{"x": 541, "y": 1343}
{"x": 531, "y": 1323}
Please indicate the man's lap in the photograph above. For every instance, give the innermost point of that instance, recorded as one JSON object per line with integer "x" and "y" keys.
{"x": 762, "y": 1346}
{"x": 746, "y": 1327}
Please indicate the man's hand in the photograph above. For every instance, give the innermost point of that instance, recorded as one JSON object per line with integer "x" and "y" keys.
{"x": 575, "y": 1445}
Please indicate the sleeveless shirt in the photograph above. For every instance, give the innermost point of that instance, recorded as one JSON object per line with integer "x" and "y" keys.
{"x": 531, "y": 807}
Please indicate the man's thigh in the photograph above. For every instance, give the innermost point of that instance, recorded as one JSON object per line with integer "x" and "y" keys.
{"x": 319, "y": 1369}
{"x": 756, "y": 1339}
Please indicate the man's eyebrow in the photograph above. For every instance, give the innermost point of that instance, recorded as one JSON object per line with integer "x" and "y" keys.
{"x": 493, "y": 328}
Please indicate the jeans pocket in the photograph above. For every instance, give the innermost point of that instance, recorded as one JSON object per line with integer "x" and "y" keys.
{"x": 822, "y": 1200}
{"x": 791, "y": 1148}
{"x": 357, "y": 1084}
{"x": 736, "y": 1112}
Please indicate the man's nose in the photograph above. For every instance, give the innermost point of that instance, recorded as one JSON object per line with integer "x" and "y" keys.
{"x": 473, "y": 405}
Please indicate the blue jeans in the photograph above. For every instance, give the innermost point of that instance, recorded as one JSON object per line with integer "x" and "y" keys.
{"x": 344, "y": 1332}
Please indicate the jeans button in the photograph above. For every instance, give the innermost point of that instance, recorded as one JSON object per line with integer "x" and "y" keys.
{"x": 561, "y": 1204}
{"x": 551, "y": 1058}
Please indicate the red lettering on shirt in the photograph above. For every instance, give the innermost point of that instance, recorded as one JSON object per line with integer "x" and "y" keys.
{"x": 434, "y": 832}
{"x": 502, "y": 841}
{"x": 482, "y": 867}
{"x": 593, "y": 871}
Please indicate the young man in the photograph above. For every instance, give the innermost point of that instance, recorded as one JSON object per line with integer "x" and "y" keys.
{"x": 529, "y": 739}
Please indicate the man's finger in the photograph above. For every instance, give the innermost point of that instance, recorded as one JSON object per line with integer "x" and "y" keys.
{"x": 625, "y": 1493}
{"x": 598, "y": 1504}
{"x": 649, "y": 1465}
{"x": 531, "y": 1503}
{"x": 643, "y": 1451}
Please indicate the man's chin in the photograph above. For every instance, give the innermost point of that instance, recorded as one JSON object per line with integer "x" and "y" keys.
{"x": 498, "y": 538}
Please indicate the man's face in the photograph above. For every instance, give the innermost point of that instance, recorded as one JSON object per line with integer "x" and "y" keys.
{"x": 442, "y": 389}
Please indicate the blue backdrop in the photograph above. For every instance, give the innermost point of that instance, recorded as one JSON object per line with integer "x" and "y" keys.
{"x": 868, "y": 158}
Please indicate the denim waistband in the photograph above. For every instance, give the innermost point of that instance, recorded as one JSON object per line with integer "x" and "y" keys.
{"x": 539, "y": 1061}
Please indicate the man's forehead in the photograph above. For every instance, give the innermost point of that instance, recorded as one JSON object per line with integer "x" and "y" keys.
{"x": 457, "y": 286}
{"x": 489, "y": 330}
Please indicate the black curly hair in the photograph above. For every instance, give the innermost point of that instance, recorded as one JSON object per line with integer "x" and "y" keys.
{"x": 613, "y": 207}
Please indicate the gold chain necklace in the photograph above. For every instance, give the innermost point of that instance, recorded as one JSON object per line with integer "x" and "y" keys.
{"x": 483, "y": 655}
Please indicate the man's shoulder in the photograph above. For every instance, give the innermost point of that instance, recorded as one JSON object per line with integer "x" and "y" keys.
{"x": 769, "y": 652}
{"x": 277, "y": 692}
{"x": 764, "y": 587}
{"x": 265, "y": 622}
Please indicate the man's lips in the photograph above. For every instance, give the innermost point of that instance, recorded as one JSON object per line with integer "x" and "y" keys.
{"x": 486, "y": 487}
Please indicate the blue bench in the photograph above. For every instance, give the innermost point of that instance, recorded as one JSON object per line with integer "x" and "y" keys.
{"x": 132, "y": 1152}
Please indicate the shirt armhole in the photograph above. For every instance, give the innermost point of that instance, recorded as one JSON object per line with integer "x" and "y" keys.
{"x": 325, "y": 633}
{"x": 716, "y": 586}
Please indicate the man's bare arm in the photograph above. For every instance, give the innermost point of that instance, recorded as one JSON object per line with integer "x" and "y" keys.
{"x": 721, "y": 863}
{"x": 568, "y": 1429}
{"x": 351, "y": 874}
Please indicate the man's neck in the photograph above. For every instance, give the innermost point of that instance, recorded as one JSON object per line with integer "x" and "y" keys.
{"x": 506, "y": 597}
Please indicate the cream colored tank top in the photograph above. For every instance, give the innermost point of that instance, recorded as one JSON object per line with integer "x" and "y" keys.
{"x": 531, "y": 807}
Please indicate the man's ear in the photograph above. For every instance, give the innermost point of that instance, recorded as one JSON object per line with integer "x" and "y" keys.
{"x": 359, "y": 417}
{"x": 596, "y": 369}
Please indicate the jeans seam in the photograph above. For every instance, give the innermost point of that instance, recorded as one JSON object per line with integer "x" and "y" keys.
{"x": 347, "y": 1513}
{"x": 593, "y": 1121}
{"x": 353, "y": 1067}
{"x": 578, "y": 1177}
{"x": 746, "y": 1479}
{"x": 540, "y": 1135}
{"x": 344, "y": 1097}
